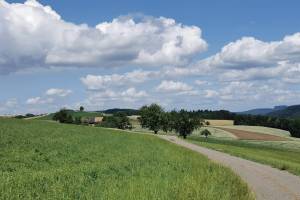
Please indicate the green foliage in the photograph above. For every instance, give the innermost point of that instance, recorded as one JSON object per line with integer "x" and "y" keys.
{"x": 118, "y": 120}
{"x": 291, "y": 125}
{"x": 78, "y": 120}
{"x": 74, "y": 114}
{"x": 28, "y": 115}
{"x": 20, "y": 117}
{"x": 81, "y": 108}
{"x": 44, "y": 160}
{"x": 151, "y": 116}
{"x": 277, "y": 155}
{"x": 63, "y": 117}
{"x": 128, "y": 112}
{"x": 294, "y": 127}
{"x": 185, "y": 123}
{"x": 167, "y": 122}
{"x": 205, "y": 132}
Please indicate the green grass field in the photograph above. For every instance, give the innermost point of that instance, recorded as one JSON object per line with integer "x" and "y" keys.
{"x": 283, "y": 155}
{"x": 43, "y": 160}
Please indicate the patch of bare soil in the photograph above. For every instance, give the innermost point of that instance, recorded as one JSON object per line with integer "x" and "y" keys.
{"x": 248, "y": 135}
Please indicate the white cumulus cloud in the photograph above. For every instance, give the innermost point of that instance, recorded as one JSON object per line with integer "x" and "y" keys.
{"x": 173, "y": 86}
{"x": 58, "y": 92}
{"x": 98, "y": 82}
{"x": 34, "y": 35}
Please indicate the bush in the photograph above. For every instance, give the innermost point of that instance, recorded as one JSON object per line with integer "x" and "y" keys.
{"x": 63, "y": 117}
{"x": 77, "y": 120}
{"x": 205, "y": 132}
{"x": 118, "y": 120}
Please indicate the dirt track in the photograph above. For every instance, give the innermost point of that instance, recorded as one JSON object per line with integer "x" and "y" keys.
{"x": 248, "y": 135}
{"x": 266, "y": 182}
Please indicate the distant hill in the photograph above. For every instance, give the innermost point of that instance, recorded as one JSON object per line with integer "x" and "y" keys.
{"x": 126, "y": 110}
{"x": 288, "y": 112}
{"x": 263, "y": 111}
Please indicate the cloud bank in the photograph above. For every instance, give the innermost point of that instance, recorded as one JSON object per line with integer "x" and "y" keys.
{"x": 33, "y": 35}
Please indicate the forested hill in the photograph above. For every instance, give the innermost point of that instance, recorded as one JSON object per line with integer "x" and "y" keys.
{"x": 289, "y": 112}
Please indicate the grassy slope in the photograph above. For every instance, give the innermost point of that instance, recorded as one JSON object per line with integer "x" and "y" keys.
{"x": 271, "y": 153}
{"x": 74, "y": 114}
{"x": 45, "y": 160}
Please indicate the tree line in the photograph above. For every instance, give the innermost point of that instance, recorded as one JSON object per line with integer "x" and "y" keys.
{"x": 117, "y": 120}
{"x": 173, "y": 120}
{"x": 183, "y": 122}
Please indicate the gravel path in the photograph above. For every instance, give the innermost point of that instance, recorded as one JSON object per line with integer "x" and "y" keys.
{"x": 266, "y": 182}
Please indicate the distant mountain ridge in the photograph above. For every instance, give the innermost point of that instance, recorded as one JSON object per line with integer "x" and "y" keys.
{"x": 288, "y": 112}
{"x": 263, "y": 111}
{"x": 278, "y": 111}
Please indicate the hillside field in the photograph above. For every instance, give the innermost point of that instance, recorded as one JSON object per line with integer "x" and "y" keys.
{"x": 43, "y": 160}
{"x": 74, "y": 114}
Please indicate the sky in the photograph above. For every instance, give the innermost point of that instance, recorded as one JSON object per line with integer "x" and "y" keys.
{"x": 233, "y": 55}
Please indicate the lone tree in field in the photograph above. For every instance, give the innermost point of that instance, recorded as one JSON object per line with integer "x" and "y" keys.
{"x": 150, "y": 117}
{"x": 81, "y": 108}
{"x": 185, "y": 123}
{"x": 205, "y": 132}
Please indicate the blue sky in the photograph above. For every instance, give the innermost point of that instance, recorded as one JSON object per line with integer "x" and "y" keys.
{"x": 231, "y": 54}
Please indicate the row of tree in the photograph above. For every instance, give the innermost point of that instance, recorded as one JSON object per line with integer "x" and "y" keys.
{"x": 117, "y": 120}
{"x": 155, "y": 118}
{"x": 184, "y": 122}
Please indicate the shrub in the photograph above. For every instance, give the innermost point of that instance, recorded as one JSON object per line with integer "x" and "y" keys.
{"x": 118, "y": 120}
{"x": 205, "y": 132}
{"x": 63, "y": 117}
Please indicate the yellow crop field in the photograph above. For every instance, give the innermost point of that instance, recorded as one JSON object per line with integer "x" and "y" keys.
{"x": 216, "y": 122}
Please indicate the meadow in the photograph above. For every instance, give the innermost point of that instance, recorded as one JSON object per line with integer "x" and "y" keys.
{"x": 284, "y": 155}
{"x": 43, "y": 160}
{"x": 74, "y": 114}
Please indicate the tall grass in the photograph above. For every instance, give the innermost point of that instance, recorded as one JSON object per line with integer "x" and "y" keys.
{"x": 43, "y": 160}
{"x": 271, "y": 153}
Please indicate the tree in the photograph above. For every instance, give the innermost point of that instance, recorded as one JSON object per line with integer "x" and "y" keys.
{"x": 294, "y": 128}
{"x": 150, "y": 117}
{"x": 63, "y": 116}
{"x": 205, "y": 132}
{"x": 81, "y": 108}
{"x": 166, "y": 122}
{"x": 77, "y": 120}
{"x": 118, "y": 120}
{"x": 185, "y": 123}
{"x": 122, "y": 121}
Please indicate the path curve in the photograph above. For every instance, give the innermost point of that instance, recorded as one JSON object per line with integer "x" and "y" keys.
{"x": 266, "y": 182}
